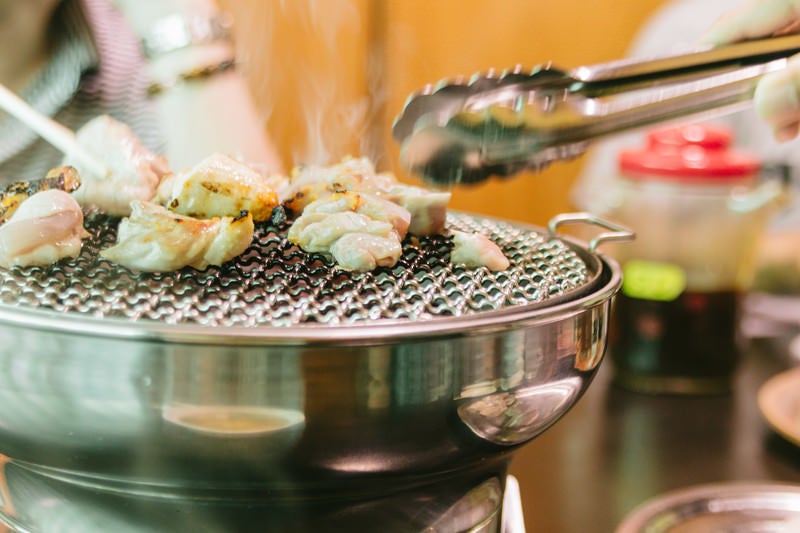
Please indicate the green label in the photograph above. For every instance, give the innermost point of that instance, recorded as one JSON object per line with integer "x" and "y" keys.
{"x": 648, "y": 280}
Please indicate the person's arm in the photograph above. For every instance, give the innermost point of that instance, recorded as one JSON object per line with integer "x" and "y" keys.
{"x": 777, "y": 95}
{"x": 204, "y": 104}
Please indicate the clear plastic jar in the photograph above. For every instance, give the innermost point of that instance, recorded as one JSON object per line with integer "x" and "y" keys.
{"x": 698, "y": 208}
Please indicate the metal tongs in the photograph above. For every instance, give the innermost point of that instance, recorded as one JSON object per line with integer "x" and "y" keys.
{"x": 464, "y": 131}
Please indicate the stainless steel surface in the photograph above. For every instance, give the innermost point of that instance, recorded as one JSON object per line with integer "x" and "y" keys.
{"x": 13, "y": 525}
{"x": 719, "y": 507}
{"x": 615, "y": 233}
{"x": 351, "y": 421}
{"x": 499, "y": 123}
{"x": 37, "y": 504}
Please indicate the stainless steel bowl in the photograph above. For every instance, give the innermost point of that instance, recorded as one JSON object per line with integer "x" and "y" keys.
{"x": 167, "y": 387}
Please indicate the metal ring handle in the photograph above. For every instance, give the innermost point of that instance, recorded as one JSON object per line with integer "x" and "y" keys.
{"x": 617, "y": 233}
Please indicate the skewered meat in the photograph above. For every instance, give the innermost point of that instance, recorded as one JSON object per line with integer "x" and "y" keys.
{"x": 134, "y": 171}
{"x": 46, "y": 227}
{"x": 154, "y": 239}
{"x": 218, "y": 186}
{"x": 474, "y": 250}
{"x": 62, "y": 178}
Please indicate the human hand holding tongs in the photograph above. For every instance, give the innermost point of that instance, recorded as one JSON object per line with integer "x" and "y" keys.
{"x": 464, "y": 131}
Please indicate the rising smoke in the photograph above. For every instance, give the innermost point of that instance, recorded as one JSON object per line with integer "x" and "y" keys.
{"x": 316, "y": 70}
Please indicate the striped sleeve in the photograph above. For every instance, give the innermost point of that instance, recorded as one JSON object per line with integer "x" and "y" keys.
{"x": 97, "y": 67}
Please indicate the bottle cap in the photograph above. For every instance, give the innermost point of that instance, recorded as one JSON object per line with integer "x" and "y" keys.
{"x": 688, "y": 152}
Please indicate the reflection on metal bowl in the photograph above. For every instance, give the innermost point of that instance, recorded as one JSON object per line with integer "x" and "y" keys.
{"x": 232, "y": 420}
{"x": 513, "y": 418}
{"x": 36, "y": 503}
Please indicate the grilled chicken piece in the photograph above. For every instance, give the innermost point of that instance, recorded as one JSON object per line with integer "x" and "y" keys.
{"x": 134, "y": 171}
{"x": 356, "y": 241}
{"x": 46, "y": 227}
{"x": 154, "y": 239}
{"x": 362, "y": 252}
{"x": 474, "y": 250}
{"x": 311, "y": 183}
{"x": 218, "y": 186}
{"x": 365, "y": 204}
{"x": 60, "y": 178}
{"x": 427, "y": 209}
{"x": 316, "y": 232}
{"x": 353, "y": 187}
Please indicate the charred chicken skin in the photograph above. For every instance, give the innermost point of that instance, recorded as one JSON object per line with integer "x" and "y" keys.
{"x": 154, "y": 239}
{"x": 60, "y": 178}
{"x": 218, "y": 186}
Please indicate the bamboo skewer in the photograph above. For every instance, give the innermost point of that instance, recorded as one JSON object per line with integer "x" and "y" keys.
{"x": 51, "y": 131}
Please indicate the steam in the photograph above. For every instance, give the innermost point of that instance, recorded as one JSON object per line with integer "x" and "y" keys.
{"x": 330, "y": 80}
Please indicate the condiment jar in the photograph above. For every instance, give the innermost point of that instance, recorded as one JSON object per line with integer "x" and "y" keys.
{"x": 698, "y": 207}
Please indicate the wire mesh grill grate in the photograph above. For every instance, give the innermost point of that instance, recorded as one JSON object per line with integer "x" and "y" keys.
{"x": 275, "y": 283}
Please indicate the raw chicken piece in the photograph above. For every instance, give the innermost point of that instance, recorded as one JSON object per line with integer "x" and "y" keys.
{"x": 134, "y": 171}
{"x": 154, "y": 239}
{"x": 218, "y": 186}
{"x": 11, "y": 197}
{"x": 46, "y": 227}
{"x": 365, "y": 204}
{"x": 475, "y": 250}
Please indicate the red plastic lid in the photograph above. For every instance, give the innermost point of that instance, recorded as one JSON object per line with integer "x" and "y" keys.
{"x": 697, "y": 151}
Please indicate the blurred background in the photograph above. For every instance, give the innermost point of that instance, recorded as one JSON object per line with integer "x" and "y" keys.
{"x": 331, "y": 76}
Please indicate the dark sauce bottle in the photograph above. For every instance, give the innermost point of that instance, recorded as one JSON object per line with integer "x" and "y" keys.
{"x": 687, "y": 345}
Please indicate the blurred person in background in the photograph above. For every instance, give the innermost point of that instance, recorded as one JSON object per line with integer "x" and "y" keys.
{"x": 766, "y": 129}
{"x": 166, "y": 68}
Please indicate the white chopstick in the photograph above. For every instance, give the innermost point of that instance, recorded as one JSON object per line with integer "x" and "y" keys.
{"x": 51, "y": 131}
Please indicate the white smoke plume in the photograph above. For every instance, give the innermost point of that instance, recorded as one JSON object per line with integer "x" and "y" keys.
{"x": 312, "y": 78}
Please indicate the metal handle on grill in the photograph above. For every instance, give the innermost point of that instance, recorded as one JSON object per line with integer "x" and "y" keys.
{"x": 617, "y": 232}
{"x": 497, "y": 124}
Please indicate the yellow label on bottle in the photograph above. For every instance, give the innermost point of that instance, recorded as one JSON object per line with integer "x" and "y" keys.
{"x": 649, "y": 280}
